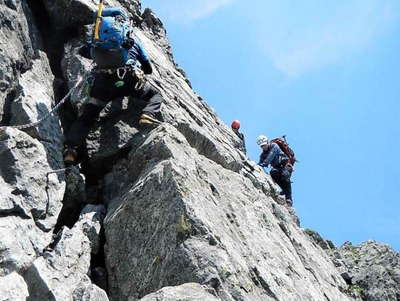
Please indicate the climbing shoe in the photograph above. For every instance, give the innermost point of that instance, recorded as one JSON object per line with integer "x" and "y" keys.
{"x": 148, "y": 119}
{"x": 70, "y": 156}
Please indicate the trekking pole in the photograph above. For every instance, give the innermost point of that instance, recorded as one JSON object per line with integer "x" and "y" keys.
{"x": 98, "y": 20}
{"x": 284, "y": 138}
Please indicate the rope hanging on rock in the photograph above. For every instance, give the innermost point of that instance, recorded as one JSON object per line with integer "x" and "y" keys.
{"x": 62, "y": 101}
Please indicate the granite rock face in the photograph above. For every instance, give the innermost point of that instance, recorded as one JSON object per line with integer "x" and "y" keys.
{"x": 187, "y": 292}
{"x": 30, "y": 197}
{"x": 31, "y": 189}
{"x": 187, "y": 216}
{"x": 317, "y": 239}
{"x": 13, "y": 288}
{"x": 30, "y": 200}
{"x": 62, "y": 271}
{"x": 186, "y": 219}
{"x": 17, "y": 50}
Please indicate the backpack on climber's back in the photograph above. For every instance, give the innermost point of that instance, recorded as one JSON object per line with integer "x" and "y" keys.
{"x": 284, "y": 146}
{"x": 111, "y": 47}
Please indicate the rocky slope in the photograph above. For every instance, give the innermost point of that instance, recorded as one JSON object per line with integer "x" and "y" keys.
{"x": 371, "y": 268}
{"x": 175, "y": 213}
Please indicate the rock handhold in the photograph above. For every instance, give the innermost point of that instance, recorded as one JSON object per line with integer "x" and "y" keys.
{"x": 187, "y": 292}
{"x": 13, "y": 288}
{"x": 64, "y": 270}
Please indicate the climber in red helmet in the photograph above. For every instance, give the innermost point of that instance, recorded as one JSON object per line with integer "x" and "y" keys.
{"x": 235, "y": 128}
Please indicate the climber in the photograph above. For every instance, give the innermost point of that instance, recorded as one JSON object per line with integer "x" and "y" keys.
{"x": 120, "y": 67}
{"x": 235, "y": 128}
{"x": 282, "y": 167}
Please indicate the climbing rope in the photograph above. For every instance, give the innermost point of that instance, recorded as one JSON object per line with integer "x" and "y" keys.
{"x": 55, "y": 109}
{"x": 33, "y": 124}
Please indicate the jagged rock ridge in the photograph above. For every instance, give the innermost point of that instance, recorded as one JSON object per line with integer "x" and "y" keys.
{"x": 186, "y": 214}
{"x": 371, "y": 268}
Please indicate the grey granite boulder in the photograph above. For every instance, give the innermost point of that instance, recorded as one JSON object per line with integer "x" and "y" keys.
{"x": 17, "y": 43}
{"x": 13, "y": 288}
{"x": 66, "y": 14}
{"x": 75, "y": 66}
{"x": 184, "y": 292}
{"x": 28, "y": 190}
{"x": 63, "y": 269}
{"x": 371, "y": 268}
{"x": 26, "y": 79}
{"x": 70, "y": 13}
{"x": 30, "y": 200}
{"x": 34, "y": 102}
{"x": 89, "y": 292}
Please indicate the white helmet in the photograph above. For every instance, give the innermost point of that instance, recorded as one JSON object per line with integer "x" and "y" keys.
{"x": 262, "y": 140}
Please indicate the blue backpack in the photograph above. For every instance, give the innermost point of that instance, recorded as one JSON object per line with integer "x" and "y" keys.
{"x": 111, "y": 49}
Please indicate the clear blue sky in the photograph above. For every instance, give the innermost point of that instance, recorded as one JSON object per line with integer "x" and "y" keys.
{"x": 326, "y": 74}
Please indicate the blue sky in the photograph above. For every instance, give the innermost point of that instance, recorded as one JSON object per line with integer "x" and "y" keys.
{"x": 326, "y": 74}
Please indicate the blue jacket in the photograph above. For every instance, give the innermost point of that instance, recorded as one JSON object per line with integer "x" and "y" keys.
{"x": 274, "y": 156}
{"x": 138, "y": 54}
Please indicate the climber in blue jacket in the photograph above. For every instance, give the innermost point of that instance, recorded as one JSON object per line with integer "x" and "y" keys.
{"x": 120, "y": 65}
{"x": 281, "y": 168}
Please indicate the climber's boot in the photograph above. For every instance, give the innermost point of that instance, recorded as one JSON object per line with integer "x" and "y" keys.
{"x": 147, "y": 119}
{"x": 70, "y": 156}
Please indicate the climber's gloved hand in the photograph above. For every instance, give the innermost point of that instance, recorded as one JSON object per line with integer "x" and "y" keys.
{"x": 139, "y": 78}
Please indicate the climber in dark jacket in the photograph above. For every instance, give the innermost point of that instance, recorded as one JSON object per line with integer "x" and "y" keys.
{"x": 235, "y": 128}
{"x": 112, "y": 84}
{"x": 281, "y": 168}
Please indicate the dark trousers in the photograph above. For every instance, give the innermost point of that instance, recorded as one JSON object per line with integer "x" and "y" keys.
{"x": 281, "y": 176}
{"x": 103, "y": 91}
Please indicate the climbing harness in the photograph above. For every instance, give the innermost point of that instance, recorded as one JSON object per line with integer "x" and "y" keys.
{"x": 54, "y": 110}
{"x": 138, "y": 75}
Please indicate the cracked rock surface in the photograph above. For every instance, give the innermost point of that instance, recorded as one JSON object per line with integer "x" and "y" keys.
{"x": 175, "y": 212}
{"x": 371, "y": 268}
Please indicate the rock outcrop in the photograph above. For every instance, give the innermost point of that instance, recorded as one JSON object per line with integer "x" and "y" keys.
{"x": 187, "y": 216}
{"x": 63, "y": 269}
{"x": 13, "y": 288}
{"x": 17, "y": 44}
{"x": 186, "y": 219}
{"x": 30, "y": 200}
{"x": 371, "y": 268}
{"x": 187, "y": 291}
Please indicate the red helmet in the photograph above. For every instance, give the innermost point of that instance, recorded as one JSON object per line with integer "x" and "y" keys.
{"x": 235, "y": 124}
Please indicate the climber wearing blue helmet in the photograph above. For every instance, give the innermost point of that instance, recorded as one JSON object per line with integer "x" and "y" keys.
{"x": 120, "y": 67}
